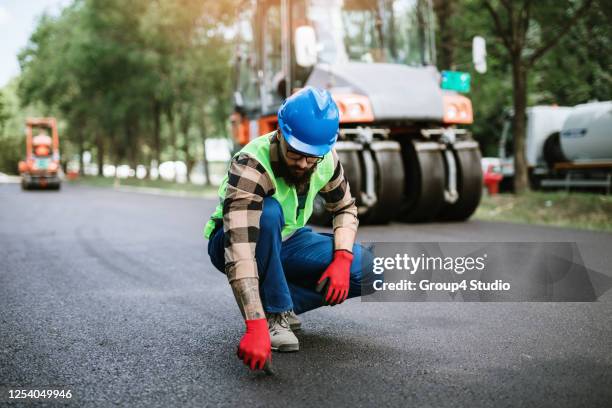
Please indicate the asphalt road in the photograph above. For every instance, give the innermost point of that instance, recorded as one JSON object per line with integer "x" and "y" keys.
{"x": 111, "y": 294}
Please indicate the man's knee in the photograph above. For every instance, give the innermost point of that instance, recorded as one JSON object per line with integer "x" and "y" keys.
{"x": 272, "y": 219}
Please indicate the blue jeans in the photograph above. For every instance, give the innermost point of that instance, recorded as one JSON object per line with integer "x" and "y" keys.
{"x": 289, "y": 270}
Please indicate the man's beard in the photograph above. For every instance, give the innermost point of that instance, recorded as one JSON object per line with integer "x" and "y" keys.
{"x": 293, "y": 178}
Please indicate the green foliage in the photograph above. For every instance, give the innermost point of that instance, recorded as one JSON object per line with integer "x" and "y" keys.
{"x": 12, "y": 125}
{"x": 491, "y": 92}
{"x": 141, "y": 80}
{"x": 132, "y": 79}
{"x": 574, "y": 71}
{"x": 578, "y": 68}
{"x": 4, "y": 112}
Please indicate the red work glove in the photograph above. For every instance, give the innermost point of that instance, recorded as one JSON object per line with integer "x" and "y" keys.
{"x": 255, "y": 348}
{"x": 336, "y": 277}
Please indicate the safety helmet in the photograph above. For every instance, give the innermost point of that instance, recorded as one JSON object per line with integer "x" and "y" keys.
{"x": 309, "y": 121}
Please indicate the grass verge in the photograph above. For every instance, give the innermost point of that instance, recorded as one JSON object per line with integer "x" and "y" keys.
{"x": 573, "y": 210}
{"x": 146, "y": 183}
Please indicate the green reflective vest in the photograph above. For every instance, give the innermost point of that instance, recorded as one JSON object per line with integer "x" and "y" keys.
{"x": 286, "y": 195}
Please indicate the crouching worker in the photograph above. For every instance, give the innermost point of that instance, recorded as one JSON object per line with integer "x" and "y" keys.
{"x": 277, "y": 267}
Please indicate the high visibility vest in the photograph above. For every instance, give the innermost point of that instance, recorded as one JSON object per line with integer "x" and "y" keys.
{"x": 286, "y": 195}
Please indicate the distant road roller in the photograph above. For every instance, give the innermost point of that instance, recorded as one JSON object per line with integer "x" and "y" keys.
{"x": 400, "y": 142}
{"x": 42, "y": 164}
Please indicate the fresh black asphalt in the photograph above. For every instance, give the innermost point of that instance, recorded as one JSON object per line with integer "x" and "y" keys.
{"x": 111, "y": 294}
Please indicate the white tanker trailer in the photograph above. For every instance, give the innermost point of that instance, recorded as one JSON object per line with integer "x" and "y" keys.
{"x": 586, "y": 136}
{"x": 567, "y": 147}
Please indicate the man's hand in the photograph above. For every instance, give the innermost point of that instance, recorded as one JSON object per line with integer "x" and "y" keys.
{"x": 336, "y": 277}
{"x": 254, "y": 348}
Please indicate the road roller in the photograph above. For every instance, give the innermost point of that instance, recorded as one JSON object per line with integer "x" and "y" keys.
{"x": 41, "y": 167}
{"x": 403, "y": 140}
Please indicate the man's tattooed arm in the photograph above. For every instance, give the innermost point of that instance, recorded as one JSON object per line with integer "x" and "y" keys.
{"x": 246, "y": 292}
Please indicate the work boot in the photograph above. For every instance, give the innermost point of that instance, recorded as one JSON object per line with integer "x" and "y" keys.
{"x": 281, "y": 336}
{"x": 294, "y": 321}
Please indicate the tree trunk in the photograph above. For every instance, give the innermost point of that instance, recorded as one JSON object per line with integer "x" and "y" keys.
{"x": 100, "y": 153}
{"x": 157, "y": 131}
{"x": 185, "y": 122}
{"x": 204, "y": 159}
{"x": 170, "y": 116}
{"x": 120, "y": 145}
{"x": 445, "y": 9}
{"x": 519, "y": 80}
{"x": 81, "y": 152}
{"x": 130, "y": 135}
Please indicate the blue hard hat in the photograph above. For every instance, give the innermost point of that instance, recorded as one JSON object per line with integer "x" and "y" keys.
{"x": 309, "y": 121}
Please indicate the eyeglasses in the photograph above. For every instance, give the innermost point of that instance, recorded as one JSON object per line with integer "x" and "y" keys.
{"x": 296, "y": 156}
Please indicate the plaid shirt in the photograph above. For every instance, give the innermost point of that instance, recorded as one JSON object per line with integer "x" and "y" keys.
{"x": 248, "y": 183}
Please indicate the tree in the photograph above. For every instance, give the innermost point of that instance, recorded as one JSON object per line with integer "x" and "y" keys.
{"x": 11, "y": 137}
{"x": 447, "y": 36}
{"x": 528, "y": 30}
{"x": 4, "y": 114}
{"x": 578, "y": 68}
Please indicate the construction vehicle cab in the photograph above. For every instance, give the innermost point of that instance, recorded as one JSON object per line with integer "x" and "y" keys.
{"x": 41, "y": 166}
{"x": 399, "y": 143}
